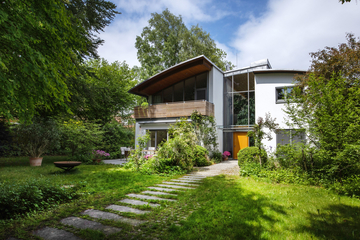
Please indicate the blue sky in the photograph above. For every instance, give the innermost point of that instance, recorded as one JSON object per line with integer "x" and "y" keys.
{"x": 284, "y": 31}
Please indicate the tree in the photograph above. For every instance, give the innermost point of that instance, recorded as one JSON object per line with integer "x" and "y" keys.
{"x": 259, "y": 134}
{"x": 167, "y": 41}
{"x": 43, "y": 45}
{"x": 103, "y": 93}
{"x": 326, "y": 103}
{"x": 343, "y": 1}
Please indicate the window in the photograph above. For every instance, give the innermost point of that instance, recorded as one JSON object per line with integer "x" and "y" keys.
{"x": 290, "y": 136}
{"x": 157, "y": 137}
{"x": 282, "y": 93}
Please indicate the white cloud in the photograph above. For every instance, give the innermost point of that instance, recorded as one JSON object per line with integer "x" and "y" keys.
{"x": 291, "y": 29}
{"x": 120, "y": 36}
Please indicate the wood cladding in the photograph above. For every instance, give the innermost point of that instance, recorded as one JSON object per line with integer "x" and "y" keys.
{"x": 174, "y": 109}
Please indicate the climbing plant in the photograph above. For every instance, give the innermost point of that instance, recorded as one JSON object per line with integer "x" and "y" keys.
{"x": 205, "y": 130}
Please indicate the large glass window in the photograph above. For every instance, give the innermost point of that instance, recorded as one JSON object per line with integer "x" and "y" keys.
{"x": 239, "y": 100}
{"x": 194, "y": 88}
{"x": 190, "y": 89}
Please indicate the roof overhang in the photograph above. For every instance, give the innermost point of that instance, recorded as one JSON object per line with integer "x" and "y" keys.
{"x": 262, "y": 71}
{"x": 172, "y": 75}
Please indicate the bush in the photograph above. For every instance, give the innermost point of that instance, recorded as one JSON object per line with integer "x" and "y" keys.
{"x": 33, "y": 195}
{"x": 201, "y": 156}
{"x": 251, "y": 154}
{"x": 216, "y": 156}
{"x": 116, "y": 136}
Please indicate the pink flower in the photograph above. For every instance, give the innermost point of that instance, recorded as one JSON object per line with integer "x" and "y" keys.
{"x": 226, "y": 154}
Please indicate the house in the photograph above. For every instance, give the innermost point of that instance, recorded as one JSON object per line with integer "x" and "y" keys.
{"x": 236, "y": 98}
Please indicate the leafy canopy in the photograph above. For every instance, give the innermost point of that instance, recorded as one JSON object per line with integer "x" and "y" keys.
{"x": 42, "y": 45}
{"x": 166, "y": 41}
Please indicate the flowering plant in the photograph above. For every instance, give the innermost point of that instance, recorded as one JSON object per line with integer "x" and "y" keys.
{"x": 147, "y": 156}
{"x": 99, "y": 154}
{"x": 226, "y": 154}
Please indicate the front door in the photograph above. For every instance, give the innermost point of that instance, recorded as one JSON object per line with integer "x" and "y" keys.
{"x": 240, "y": 141}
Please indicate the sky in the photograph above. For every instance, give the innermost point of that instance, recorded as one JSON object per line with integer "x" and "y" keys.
{"x": 283, "y": 31}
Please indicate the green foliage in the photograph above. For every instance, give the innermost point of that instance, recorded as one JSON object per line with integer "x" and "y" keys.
{"x": 36, "y": 138}
{"x": 80, "y": 138}
{"x": 33, "y": 195}
{"x": 251, "y": 154}
{"x": 116, "y": 136}
{"x": 205, "y": 130}
{"x": 102, "y": 93}
{"x": 136, "y": 158}
{"x": 166, "y": 41}
{"x": 201, "y": 156}
{"x": 216, "y": 156}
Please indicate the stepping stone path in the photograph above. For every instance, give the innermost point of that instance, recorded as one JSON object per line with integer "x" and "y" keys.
{"x": 189, "y": 181}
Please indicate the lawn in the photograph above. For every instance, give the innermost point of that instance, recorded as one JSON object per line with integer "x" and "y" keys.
{"x": 222, "y": 207}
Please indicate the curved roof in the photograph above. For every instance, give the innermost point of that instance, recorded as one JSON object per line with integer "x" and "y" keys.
{"x": 173, "y": 75}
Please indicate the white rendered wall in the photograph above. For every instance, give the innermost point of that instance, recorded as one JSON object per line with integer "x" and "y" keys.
{"x": 265, "y": 99}
{"x": 216, "y": 95}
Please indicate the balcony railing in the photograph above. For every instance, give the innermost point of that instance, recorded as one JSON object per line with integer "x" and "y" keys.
{"x": 174, "y": 109}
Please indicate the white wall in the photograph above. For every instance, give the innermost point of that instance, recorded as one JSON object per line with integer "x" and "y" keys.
{"x": 216, "y": 95}
{"x": 265, "y": 99}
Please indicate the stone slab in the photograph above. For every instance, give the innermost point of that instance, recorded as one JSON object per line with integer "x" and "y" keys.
{"x": 12, "y": 238}
{"x": 49, "y": 233}
{"x": 149, "y": 197}
{"x": 126, "y": 209}
{"x": 182, "y": 183}
{"x": 111, "y": 216}
{"x": 174, "y": 186}
{"x": 138, "y": 202}
{"x": 194, "y": 176}
{"x": 185, "y": 180}
{"x": 158, "y": 193}
{"x": 81, "y": 223}
{"x": 164, "y": 189}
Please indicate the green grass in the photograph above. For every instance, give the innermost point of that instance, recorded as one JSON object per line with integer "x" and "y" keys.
{"x": 223, "y": 207}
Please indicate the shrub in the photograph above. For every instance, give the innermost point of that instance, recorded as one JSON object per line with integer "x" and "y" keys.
{"x": 80, "y": 137}
{"x": 251, "y": 154}
{"x": 116, "y": 136}
{"x": 33, "y": 195}
{"x": 216, "y": 156}
{"x": 201, "y": 156}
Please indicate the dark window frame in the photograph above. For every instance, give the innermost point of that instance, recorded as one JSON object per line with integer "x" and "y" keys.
{"x": 282, "y": 101}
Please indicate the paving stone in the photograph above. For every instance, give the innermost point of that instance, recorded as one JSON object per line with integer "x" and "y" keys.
{"x": 81, "y": 223}
{"x": 12, "y": 238}
{"x": 174, "y": 186}
{"x": 126, "y": 209}
{"x": 185, "y": 180}
{"x": 164, "y": 189}
{"x": 138, "y": 202}
{"x": 181, "y": 183}
{"x": 158, "y": 193}
{"x": 49, "y": 233}
{"x": 111, "y": 216}
{"x": 149, "y": 197}
{"x": 194, "y": 176}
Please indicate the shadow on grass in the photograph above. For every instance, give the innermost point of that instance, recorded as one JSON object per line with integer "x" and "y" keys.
{"x": 336, "y": 221}
{"x": 227, "y": 212}
{"x": 24, "y": 161}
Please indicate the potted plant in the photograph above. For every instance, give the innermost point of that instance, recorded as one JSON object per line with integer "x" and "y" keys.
{"x": 99, "y": 155}
{"x": 36, "y": 138}
{"x": 226, "y": 155}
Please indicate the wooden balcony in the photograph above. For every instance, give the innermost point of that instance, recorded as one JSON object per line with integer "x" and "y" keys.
{"x": 174, "y": 109}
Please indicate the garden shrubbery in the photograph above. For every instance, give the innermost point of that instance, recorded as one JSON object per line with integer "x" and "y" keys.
{"x": 32, "y": 195}
{"x": 251, "y": 154}
{"x": 201, "y": 157}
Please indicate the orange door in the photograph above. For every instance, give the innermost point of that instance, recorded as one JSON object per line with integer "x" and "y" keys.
{"x": 240, "y": 141}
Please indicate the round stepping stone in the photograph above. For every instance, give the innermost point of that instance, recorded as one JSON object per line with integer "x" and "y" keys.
{"x": 158, "y": 193}
{"x": 49, "y": 233}
{"x": 149, "y": 197}
{"x": 81, "y": 223}
{"x": 181, "y": 183}
{"x": 126, "y": 209}
{"x": 174, "y": 186}
{"x": 111, "y": 216}
{"x": 164, "y": 189}
{"x": 138, "y": 202}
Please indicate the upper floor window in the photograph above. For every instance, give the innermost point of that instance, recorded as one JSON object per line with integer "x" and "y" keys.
{"x": 282, "y": 94}
{"x": 290, "y": 136}
{"x": 194, "y": 88}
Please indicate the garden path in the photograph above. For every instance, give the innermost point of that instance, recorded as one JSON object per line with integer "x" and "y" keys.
{"x": 129, "y": 204}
